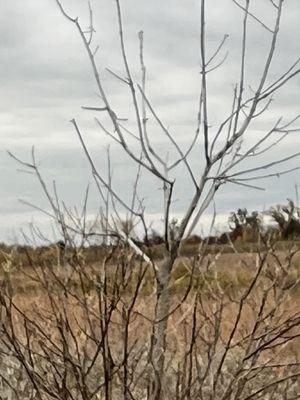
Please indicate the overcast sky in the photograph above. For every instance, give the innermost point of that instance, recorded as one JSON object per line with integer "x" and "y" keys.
{"x": 45, "y": 78}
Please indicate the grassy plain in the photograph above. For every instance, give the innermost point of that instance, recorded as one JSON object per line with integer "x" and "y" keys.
{"x": 216, "y": 280}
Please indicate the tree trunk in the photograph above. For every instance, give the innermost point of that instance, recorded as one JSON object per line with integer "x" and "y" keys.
{"x": 162, "y": 310}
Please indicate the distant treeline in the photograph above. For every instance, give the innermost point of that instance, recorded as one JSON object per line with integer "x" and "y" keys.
{"x": 245, "y": 229}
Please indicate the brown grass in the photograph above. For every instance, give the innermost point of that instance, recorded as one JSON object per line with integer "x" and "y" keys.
{"x": 221, "y": 280}
{"x": 229, "y": 273}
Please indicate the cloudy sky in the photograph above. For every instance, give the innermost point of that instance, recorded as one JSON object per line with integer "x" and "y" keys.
{"x": 45, "y": 78}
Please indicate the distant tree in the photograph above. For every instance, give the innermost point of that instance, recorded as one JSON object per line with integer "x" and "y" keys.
{"x": 287, "y": 219}
{"x": 238, "y": 218}
{"x": 244, "y": 225}
{"x": 153, "y": 238}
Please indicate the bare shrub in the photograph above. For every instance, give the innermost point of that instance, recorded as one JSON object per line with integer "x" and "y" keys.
{"x": 86, "y": 333}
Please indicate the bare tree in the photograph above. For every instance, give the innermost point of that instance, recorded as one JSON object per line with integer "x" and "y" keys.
{"x": 224, "y": 152}
{"x": 287, "y": 218}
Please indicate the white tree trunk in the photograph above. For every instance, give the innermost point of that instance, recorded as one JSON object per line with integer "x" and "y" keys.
{"x": 162, "y": 311}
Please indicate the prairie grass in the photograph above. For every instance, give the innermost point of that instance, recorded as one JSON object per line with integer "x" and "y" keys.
{"x": 50, "y": 295}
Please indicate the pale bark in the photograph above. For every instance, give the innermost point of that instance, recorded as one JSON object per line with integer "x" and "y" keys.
{"x": 162, "y": 311}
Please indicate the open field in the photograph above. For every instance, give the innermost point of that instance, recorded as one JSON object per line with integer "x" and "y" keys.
{"x": 50, "y": 308}
{"x": 234, "y": 266}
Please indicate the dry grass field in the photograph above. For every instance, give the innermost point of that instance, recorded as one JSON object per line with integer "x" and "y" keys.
{"x": 48, "y": 308}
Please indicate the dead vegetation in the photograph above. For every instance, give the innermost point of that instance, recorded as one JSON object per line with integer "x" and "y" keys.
{"x": 85, "y": 331}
